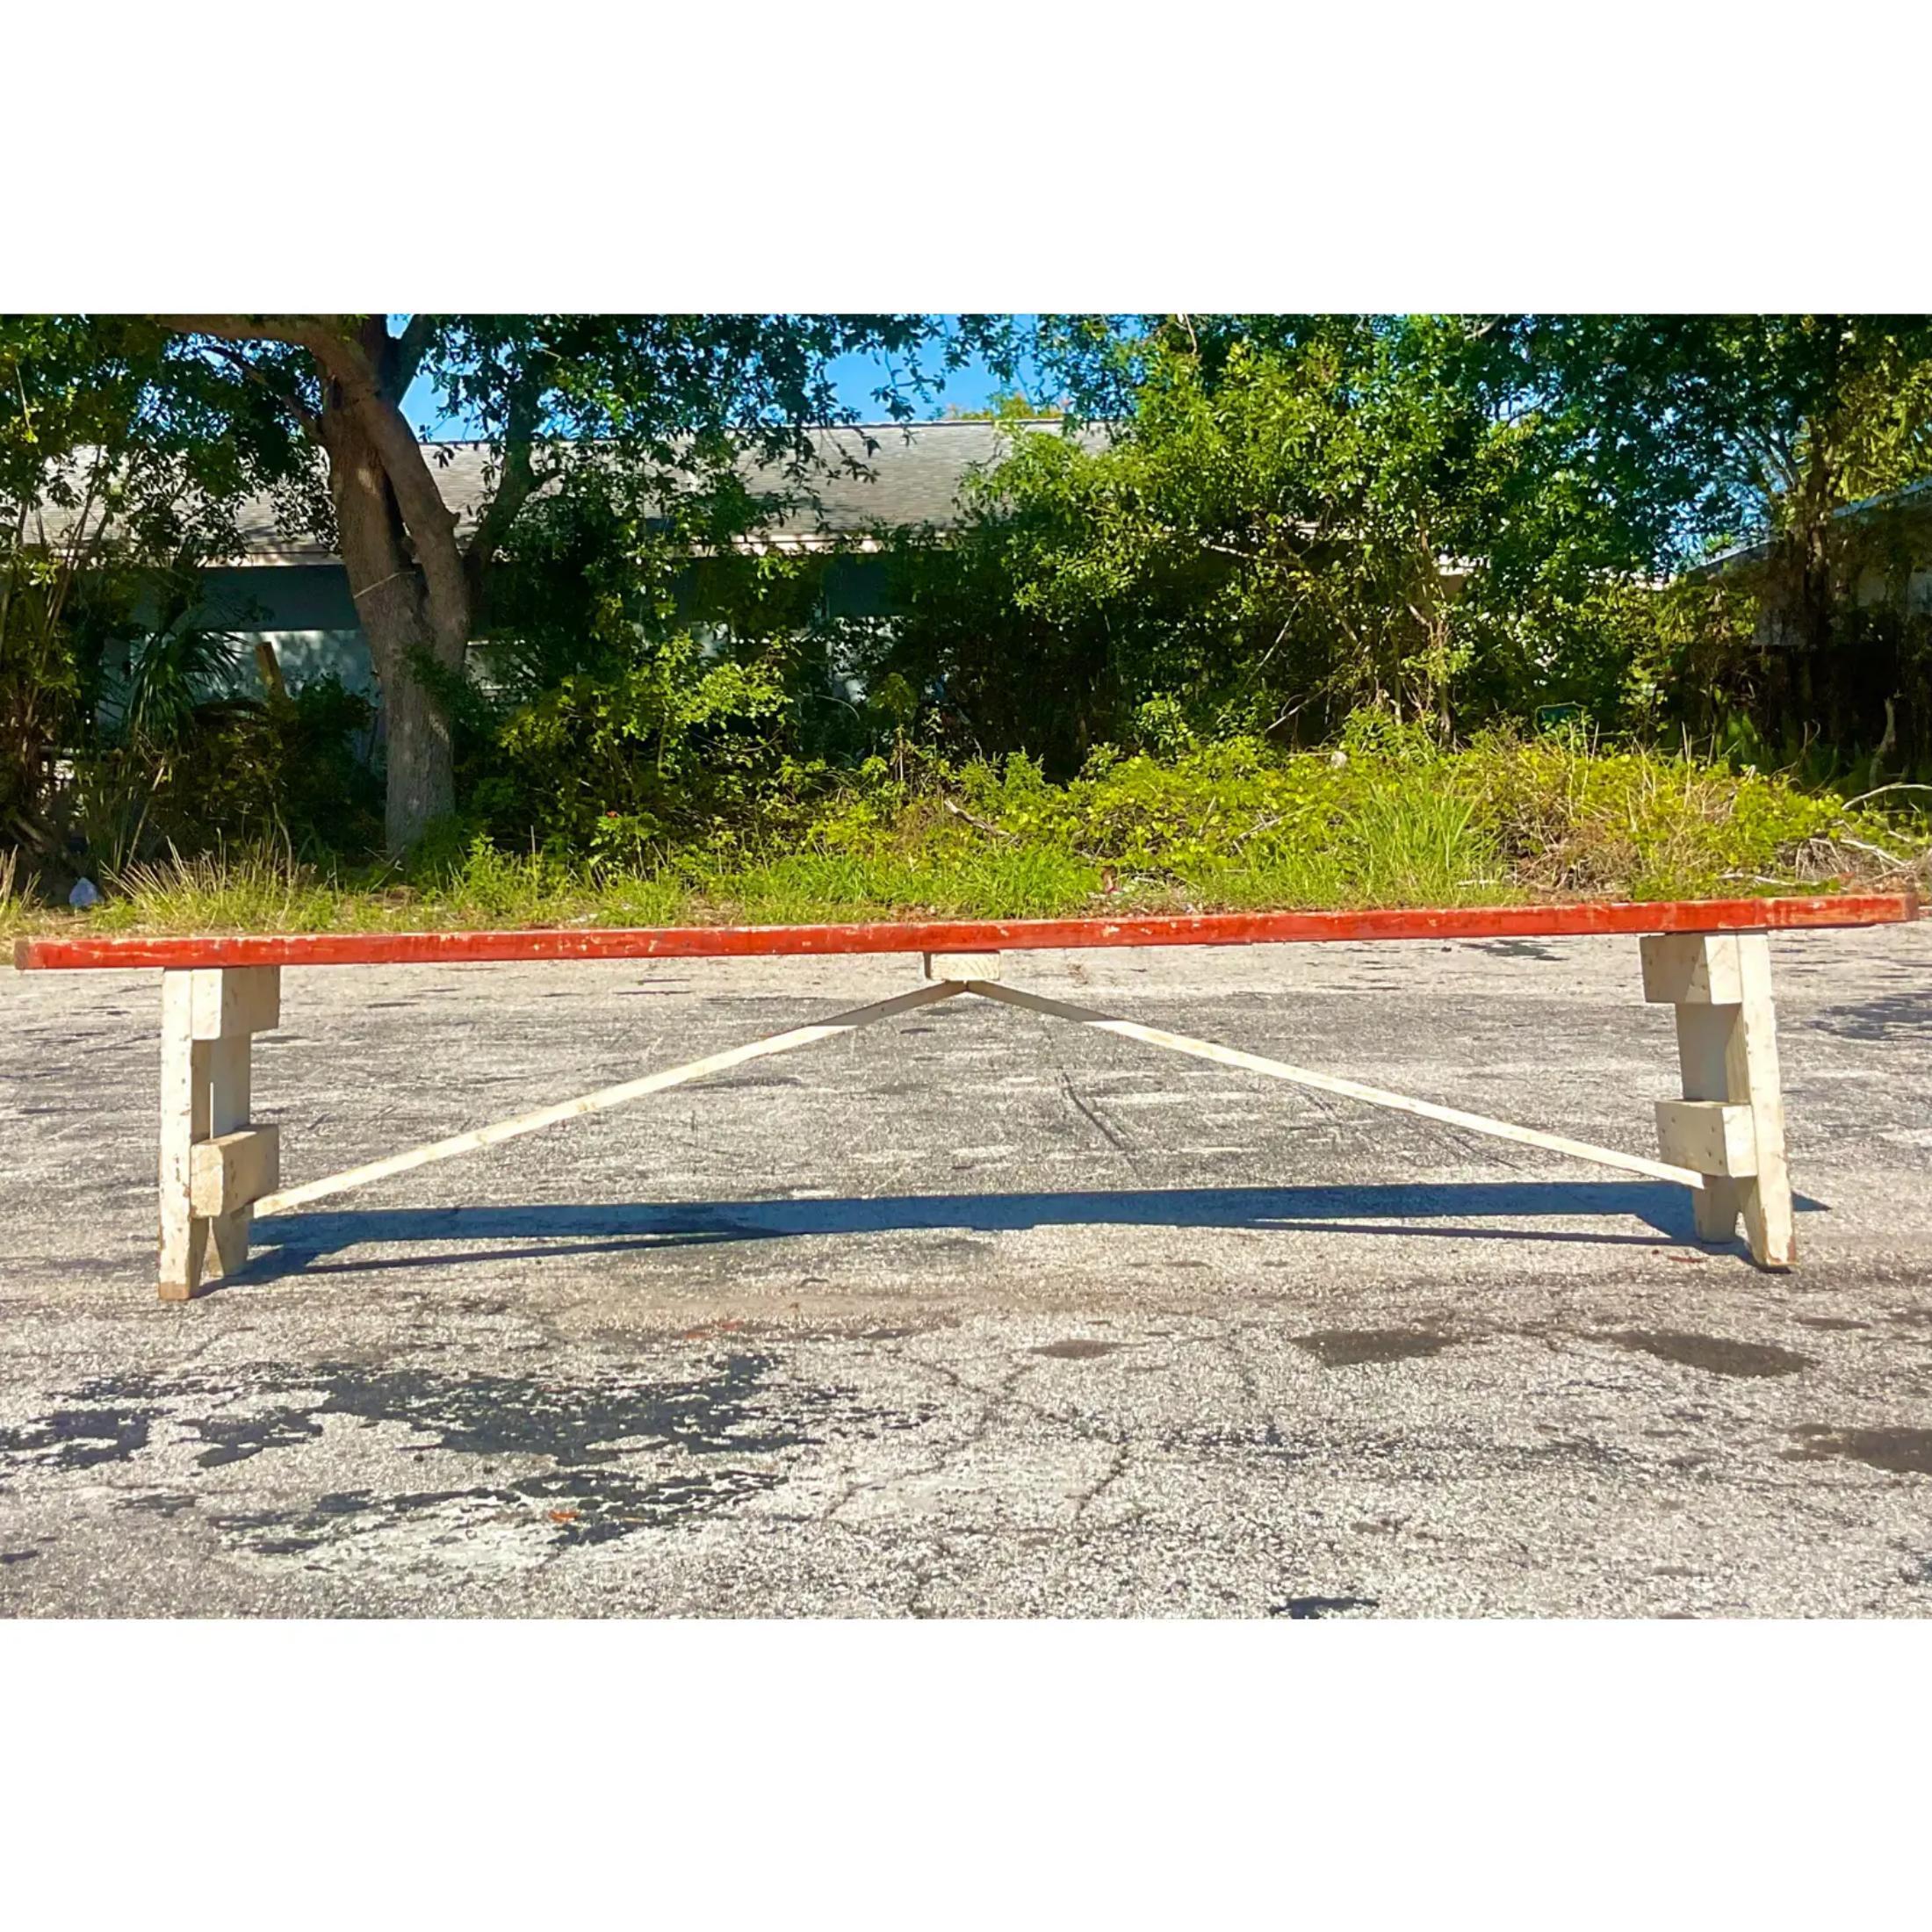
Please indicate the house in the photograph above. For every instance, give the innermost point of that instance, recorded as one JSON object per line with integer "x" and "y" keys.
{"x": 1885, "y": 557}
{"x": 1841, "y": 646}
{"x": 288, "y": 589}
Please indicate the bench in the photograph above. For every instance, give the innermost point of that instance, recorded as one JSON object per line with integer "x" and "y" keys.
{"x": 1723, "y": 1139}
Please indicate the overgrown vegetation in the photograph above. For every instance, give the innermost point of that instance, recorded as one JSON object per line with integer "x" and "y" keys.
{"x": 1388, "y": 817}
{"x": 1468, "y": 521}
{"x": 1276, "y": 611}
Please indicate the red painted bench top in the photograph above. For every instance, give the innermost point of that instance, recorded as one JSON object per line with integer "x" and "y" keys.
{"x": 962, "y": 935}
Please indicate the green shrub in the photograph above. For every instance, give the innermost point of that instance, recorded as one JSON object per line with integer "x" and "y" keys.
{"x": 1636, "y": 822}
{"x": 621, "y": 759}
{"x": 289, "y": 768}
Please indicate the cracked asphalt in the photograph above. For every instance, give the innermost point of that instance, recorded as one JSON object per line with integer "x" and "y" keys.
{"x": 979, "y": 1312}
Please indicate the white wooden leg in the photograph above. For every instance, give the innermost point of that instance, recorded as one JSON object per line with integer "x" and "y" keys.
{"x": 1766, "y": 1199}
{"x": 213, "y": 1163}
{"x": 184, "y": 1122}
{"x": 1730, "y": 1124}
{"x": 230, "y": 1078}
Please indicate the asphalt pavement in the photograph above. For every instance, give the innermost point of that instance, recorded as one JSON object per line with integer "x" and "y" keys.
{"x": 978, "y": 1313}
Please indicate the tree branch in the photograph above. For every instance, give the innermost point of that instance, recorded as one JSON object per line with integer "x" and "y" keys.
{"x": 340, "y": 355}
{"x": 359, "y": 392}
{"x": 407, "y": 356}
{"x": 429, "y": 520}
{"x": 518, "y": 483}
{"x": 287, "y": 398}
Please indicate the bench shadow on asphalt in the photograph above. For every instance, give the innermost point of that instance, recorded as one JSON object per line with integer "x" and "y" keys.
{"x": 1462, "y": 1211}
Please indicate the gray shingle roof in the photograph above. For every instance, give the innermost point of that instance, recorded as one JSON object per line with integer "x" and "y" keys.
{"x": 1910, "y": 499}
{"x": 915, "y": 474}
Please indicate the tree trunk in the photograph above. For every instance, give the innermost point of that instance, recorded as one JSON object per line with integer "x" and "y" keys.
{"x": 268, "y": 668}
{"x": 416, "y": 590}
{"x": 392, "y": 601}
{"x": 419, "y": 762}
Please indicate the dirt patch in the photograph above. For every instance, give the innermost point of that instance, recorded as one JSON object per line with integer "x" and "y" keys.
{"x": 1078, "y": 1350}
{"x": 1716, "y": 1354}
{"x": 1351, "y": 1348}
{"x": 1902, "y": 1452}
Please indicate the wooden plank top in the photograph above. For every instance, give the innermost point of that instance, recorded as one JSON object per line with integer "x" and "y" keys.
{"x": 961, "y": 935}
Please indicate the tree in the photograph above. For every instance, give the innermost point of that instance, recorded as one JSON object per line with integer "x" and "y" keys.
{"x": 1462, "y": 515}
{"x": 115, "y": 478}
{"x": 1717, "y": 429}
{"x": 1721, "y": 427}
{"x": 659, "y": 409}
{"x": 1289, "y": 517}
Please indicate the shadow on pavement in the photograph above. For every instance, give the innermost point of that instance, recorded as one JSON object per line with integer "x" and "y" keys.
{"x": 292, "y": 1243}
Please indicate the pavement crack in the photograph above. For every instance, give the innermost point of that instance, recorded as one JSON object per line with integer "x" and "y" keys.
{"x": 1087, "y": 1498}
{"x": 990, "y": 1402}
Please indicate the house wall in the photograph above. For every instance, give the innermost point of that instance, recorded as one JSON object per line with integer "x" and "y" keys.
{"x": 1878, "y": 587}
{"x": 304, "y": 609}
{"x": 306, "y": 612}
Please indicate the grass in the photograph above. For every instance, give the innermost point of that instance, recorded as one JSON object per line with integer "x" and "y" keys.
{"x": 1383, "y": 818}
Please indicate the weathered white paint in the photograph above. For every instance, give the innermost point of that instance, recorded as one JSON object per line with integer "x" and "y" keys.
{"x": 1727, "y": 1055}
{"x": 184, "y": 1122}
{"x": 1712, "y": 1137}
{"x": 234, "y": 1170}
{"x": 209, "y": 1017}
{"x": 1692, "y": 968}
{"x": 236, "y": 1000}
{"x": 962, "y": 966}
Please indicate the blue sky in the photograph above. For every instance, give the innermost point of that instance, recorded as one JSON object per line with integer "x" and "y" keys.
{"x": 972, "y": 387}
{"x": 856, "y": 376}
